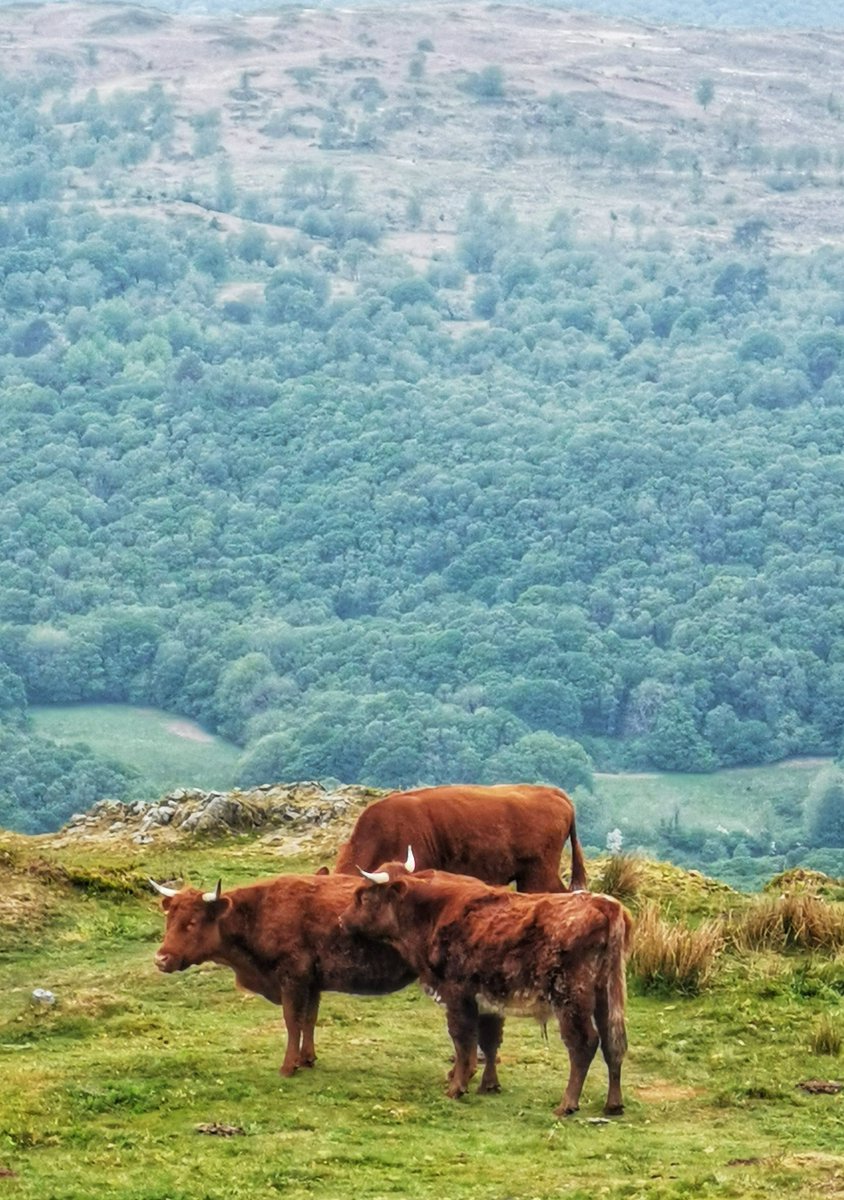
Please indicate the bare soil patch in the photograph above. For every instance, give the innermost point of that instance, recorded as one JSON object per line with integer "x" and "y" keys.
{"x": 188, "y": 730}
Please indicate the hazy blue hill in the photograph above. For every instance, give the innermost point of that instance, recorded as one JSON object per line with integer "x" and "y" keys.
{"x": 719, "y": 14}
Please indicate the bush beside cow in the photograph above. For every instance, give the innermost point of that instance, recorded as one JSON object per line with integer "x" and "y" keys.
{"x": 483, "y": 951}
{"x": 502, "y": 834}
{"x": 284, "y": 941}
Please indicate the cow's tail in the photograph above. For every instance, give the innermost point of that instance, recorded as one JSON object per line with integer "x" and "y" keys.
{"x": 618, "y": 948}
{"x": 579, "y": 882}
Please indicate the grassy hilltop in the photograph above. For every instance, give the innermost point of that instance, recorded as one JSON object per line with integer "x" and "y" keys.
{"x": 105, "y": 1092}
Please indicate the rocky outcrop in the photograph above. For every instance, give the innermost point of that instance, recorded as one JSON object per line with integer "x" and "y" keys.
{"x": 272, "y": 812}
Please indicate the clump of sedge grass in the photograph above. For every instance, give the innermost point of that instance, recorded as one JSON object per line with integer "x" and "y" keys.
{"x": 826, "y": 1037}
{"x": 671, "y": 958}
{"x": 799, "y": 921}
{"x": 621, "y": 877}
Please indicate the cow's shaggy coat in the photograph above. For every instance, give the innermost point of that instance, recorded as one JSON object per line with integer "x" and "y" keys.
{"x": 484, "y": 951}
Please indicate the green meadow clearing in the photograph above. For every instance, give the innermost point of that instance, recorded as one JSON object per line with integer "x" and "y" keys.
{"x": 167, "y": 750}
{"x": 745, "y": 799}
{"x": 104, "y": 1092}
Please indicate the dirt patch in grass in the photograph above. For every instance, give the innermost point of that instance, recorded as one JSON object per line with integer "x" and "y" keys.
{"x": 24, "y": 902}
{"x": 187, "y": 729}
{"x": 661, "y": 1090}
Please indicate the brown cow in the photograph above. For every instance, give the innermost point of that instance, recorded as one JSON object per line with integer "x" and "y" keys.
{"x": 501, "y": 834}
{"x": 283, "y": 940}
{"x": 484, "y": 951}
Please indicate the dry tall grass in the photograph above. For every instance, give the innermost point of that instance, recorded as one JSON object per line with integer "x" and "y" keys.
{"x": 673, "y": 958}
{"x": 620, "y": 876}
{"x": 826, "y": 1037}
{"x": 800, "y": 921}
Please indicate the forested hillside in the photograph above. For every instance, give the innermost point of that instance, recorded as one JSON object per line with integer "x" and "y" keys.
{"x": 408, "y": 408}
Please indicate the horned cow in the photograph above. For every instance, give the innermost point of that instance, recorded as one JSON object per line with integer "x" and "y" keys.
{"x": 485, "y": 951}
{"x": 284, "y": 941}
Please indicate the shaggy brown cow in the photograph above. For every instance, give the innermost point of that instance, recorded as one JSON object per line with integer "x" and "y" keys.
{"x": 283, "y": 940}
{"x": 484, "y": 952}
{"x": 498, "y": 834}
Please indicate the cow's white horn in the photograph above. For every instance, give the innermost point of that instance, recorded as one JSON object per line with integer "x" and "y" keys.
{"x": 410, "y": 864}
{"x": 162, "y": 890}
{"x": 210, "y": 897}
{"x": 375, "y": 876}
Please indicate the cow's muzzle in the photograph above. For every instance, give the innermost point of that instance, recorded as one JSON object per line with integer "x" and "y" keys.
{"x": 168, "y": 962}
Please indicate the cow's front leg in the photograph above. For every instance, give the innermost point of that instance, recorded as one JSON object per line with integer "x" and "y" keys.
{"x": 490, "y": 1034}
{"x": 463, "y": 1027}
{"x": 307, "y": 1053}
{"x": 294, "y": 1003}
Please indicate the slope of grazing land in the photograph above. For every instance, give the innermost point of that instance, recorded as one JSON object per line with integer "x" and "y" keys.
{"x": 108, "y": 1091}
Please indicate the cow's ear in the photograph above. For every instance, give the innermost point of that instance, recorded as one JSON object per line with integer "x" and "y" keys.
{"x": 218, "y": 908}
{"x": 398, "y": 887}
{"x": 166, "y": 902}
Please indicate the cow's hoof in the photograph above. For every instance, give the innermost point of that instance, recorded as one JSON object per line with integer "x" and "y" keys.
{"x": 488, "y": 1089}
{"x": 564, "y": 1111}
{"x": 287, "y": 1069}
{"x": 454, "y": 1093}
{"x": 306, "y": 1062}
{"x": 614, "y": 1110}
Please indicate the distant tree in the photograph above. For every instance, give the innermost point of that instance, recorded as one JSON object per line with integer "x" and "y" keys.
{"x": 674, "y": 743}
{"x": 705, "y": 92}
{"x": 487, "y": 84}
{"x": 754, "y": 231}
{"x": 541, "y": 758}
{"x": 824, "y": 812}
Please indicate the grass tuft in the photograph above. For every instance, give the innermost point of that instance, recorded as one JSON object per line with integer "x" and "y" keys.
{"x": 800, "y": 921}
{"x": 621, "y": 876}
{"x": 671, "y": 958}
{"x": 826, "y": 1036}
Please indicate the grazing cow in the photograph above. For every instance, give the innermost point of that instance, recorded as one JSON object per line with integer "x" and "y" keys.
{"x": 498, "y": 834}
{"x": 283, "y": 940}
{"x": 484, "y": 951}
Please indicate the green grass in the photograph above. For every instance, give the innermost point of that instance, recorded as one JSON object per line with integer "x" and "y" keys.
{"x": 143, "y": 738}
{"x": 102, "y": 1094}
{"x": 740, "y": 798}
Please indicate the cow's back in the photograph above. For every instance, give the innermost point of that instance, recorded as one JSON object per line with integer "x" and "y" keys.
{"x": 497, "y": 833}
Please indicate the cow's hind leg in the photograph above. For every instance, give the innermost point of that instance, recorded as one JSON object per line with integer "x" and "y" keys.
{"x": 539, "y": 876}
{"x": 613, "y": 1047}
{"x": 490, "y": 1033}
{"x": 307, "y": 1052}
{"x": 580, "y": 1034}
{"x": 463, "y": 1027}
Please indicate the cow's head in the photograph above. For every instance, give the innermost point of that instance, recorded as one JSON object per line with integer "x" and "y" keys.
{"x": 192, "y": 931}
{"x": 374, "y": 909}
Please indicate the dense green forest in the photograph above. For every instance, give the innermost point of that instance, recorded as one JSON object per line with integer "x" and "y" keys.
{"x": 553, "y": 501}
